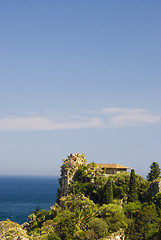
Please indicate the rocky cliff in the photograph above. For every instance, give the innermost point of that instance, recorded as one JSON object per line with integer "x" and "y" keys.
{"x": 68, "y": 169}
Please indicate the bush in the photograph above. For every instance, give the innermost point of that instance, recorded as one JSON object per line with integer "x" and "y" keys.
{"x": 65, "y": 225}
{"x": 53, "y": 236}
{"x": 99, "y": 226}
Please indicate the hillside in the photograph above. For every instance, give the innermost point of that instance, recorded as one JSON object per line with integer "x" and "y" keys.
{"x": 94, "y": 203}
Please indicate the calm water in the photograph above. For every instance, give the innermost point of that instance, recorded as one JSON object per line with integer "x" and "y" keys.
{"x": 19, "y": 196}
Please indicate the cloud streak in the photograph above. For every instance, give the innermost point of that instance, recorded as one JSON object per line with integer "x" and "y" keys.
{"x": 124, "y": 117}
{"x": 105, "y": 118}
{"x": 40, "y": 123}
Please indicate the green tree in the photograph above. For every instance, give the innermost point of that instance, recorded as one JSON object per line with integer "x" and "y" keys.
{"x": 121, "y": 186}
{"x": 157, "y": 201}
{"x": 65, "y": 225}
{"x": 154, "y": 172}
{"x": 99, "y": 226}
{"x": 144, "y": 225}
{"x": 53, "y": 236}
{"x": 114, "y": 216}
{"x": 132, "y": 208}
{"x": 132, "y": 194}
{"x": 108, "y": 191}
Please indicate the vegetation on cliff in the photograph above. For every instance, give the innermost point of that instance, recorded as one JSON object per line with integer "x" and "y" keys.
{"x": 154, "y": 172}
{"x": 92, "y": 205}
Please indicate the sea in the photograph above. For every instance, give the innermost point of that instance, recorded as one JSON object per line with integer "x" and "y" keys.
{"x": 20, "y": 196}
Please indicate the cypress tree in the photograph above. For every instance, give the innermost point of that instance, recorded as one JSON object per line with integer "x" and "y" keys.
{"x": 154, "y": 172}
{"x": 108, "y": 191}
{"x": 132, "y": 195}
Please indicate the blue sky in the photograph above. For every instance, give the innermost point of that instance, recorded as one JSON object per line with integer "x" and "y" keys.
{"x": 79, "y": 77}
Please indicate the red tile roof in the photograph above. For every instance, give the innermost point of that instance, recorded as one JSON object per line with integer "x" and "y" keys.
{"x": 112, "y": 166}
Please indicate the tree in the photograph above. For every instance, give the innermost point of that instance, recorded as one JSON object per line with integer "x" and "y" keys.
{"x": 144, "y": 225}
{"x": 132, "y": 208}
{"x": 53, "y": 236}
{"x": 157, "y": 201}
{"x": 132, "y": 194}
{"x": 65, "y": 225}
{"x": 114, "y": 216}
{"x": 99, "y": 226}
{"x": 154, "y": 172}
{"x": 108, "y": 191}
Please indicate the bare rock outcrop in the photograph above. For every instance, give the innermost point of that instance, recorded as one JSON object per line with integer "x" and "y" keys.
{"x": 68, "y": 169}
{"x": 11, "y": 230}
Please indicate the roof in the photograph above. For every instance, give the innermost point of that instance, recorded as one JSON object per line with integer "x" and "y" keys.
{"x": 113, "y": 166}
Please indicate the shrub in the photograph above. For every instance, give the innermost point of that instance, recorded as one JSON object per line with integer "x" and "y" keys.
{"x": 99, "y": 226}
{"x": 53, "y": 236}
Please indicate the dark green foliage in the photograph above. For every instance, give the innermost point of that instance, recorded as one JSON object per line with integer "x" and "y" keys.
{"x": 108, "y": 192}
{"x": 156, "y": 235}
{"x": 132, "y": 194}
{"x": 114, "y": 216}
{"x": 93, "y": 190}
{"x": 98, "y": 190}
{"x": 132, "y": 208}
{"x": 53, "y": 236}
{"x": 99, "y": 226}
{"x": 121, "y": 186}
{"x": 120, "y": 182}
{"x": 144, "y": 225}
{"x": 65, "y": 225}
{"x": 81, "y": 188}
{"x": 157, "y": 201}
{"x": 142, "y": 188}
{"x": 84, "y": 209}
{"x": 37, "y": 218}
{"x": 154, "y": 172}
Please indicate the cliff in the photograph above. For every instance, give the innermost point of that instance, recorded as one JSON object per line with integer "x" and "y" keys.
{"x": 75, "y": 168}
{"x": 68, "y": 170}
{"x": 84, "y": 212}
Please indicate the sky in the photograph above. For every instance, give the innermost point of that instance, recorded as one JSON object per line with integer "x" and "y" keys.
{"x": 79, "y": 77}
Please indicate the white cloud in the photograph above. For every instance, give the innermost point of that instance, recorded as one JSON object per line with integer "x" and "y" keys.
{"x": 89, "y": 123}
{"x": 124, "y": 117}
{"x": 25, "y": 123}
{"x": 125, "y": 120}
{"x": 123, "y": 110}
{"x": 105, "y": 118}
{"x": 37, "y": 123}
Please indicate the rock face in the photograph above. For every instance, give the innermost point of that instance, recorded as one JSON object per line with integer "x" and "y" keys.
{"x": 155, "y": 187}
{"x": 68, "y": 169}
{"x": 10, "y": 230}
{"x": 116, "y": 236}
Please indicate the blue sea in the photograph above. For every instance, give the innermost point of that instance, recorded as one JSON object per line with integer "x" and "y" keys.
{"x": 19, "y": 196}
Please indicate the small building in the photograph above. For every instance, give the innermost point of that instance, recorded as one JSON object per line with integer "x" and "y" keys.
{"x": 112, "y": 168}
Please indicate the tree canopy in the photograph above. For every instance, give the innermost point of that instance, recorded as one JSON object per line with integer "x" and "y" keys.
{"x": 132, "y": 195}
{"x": 154, "y": 172}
